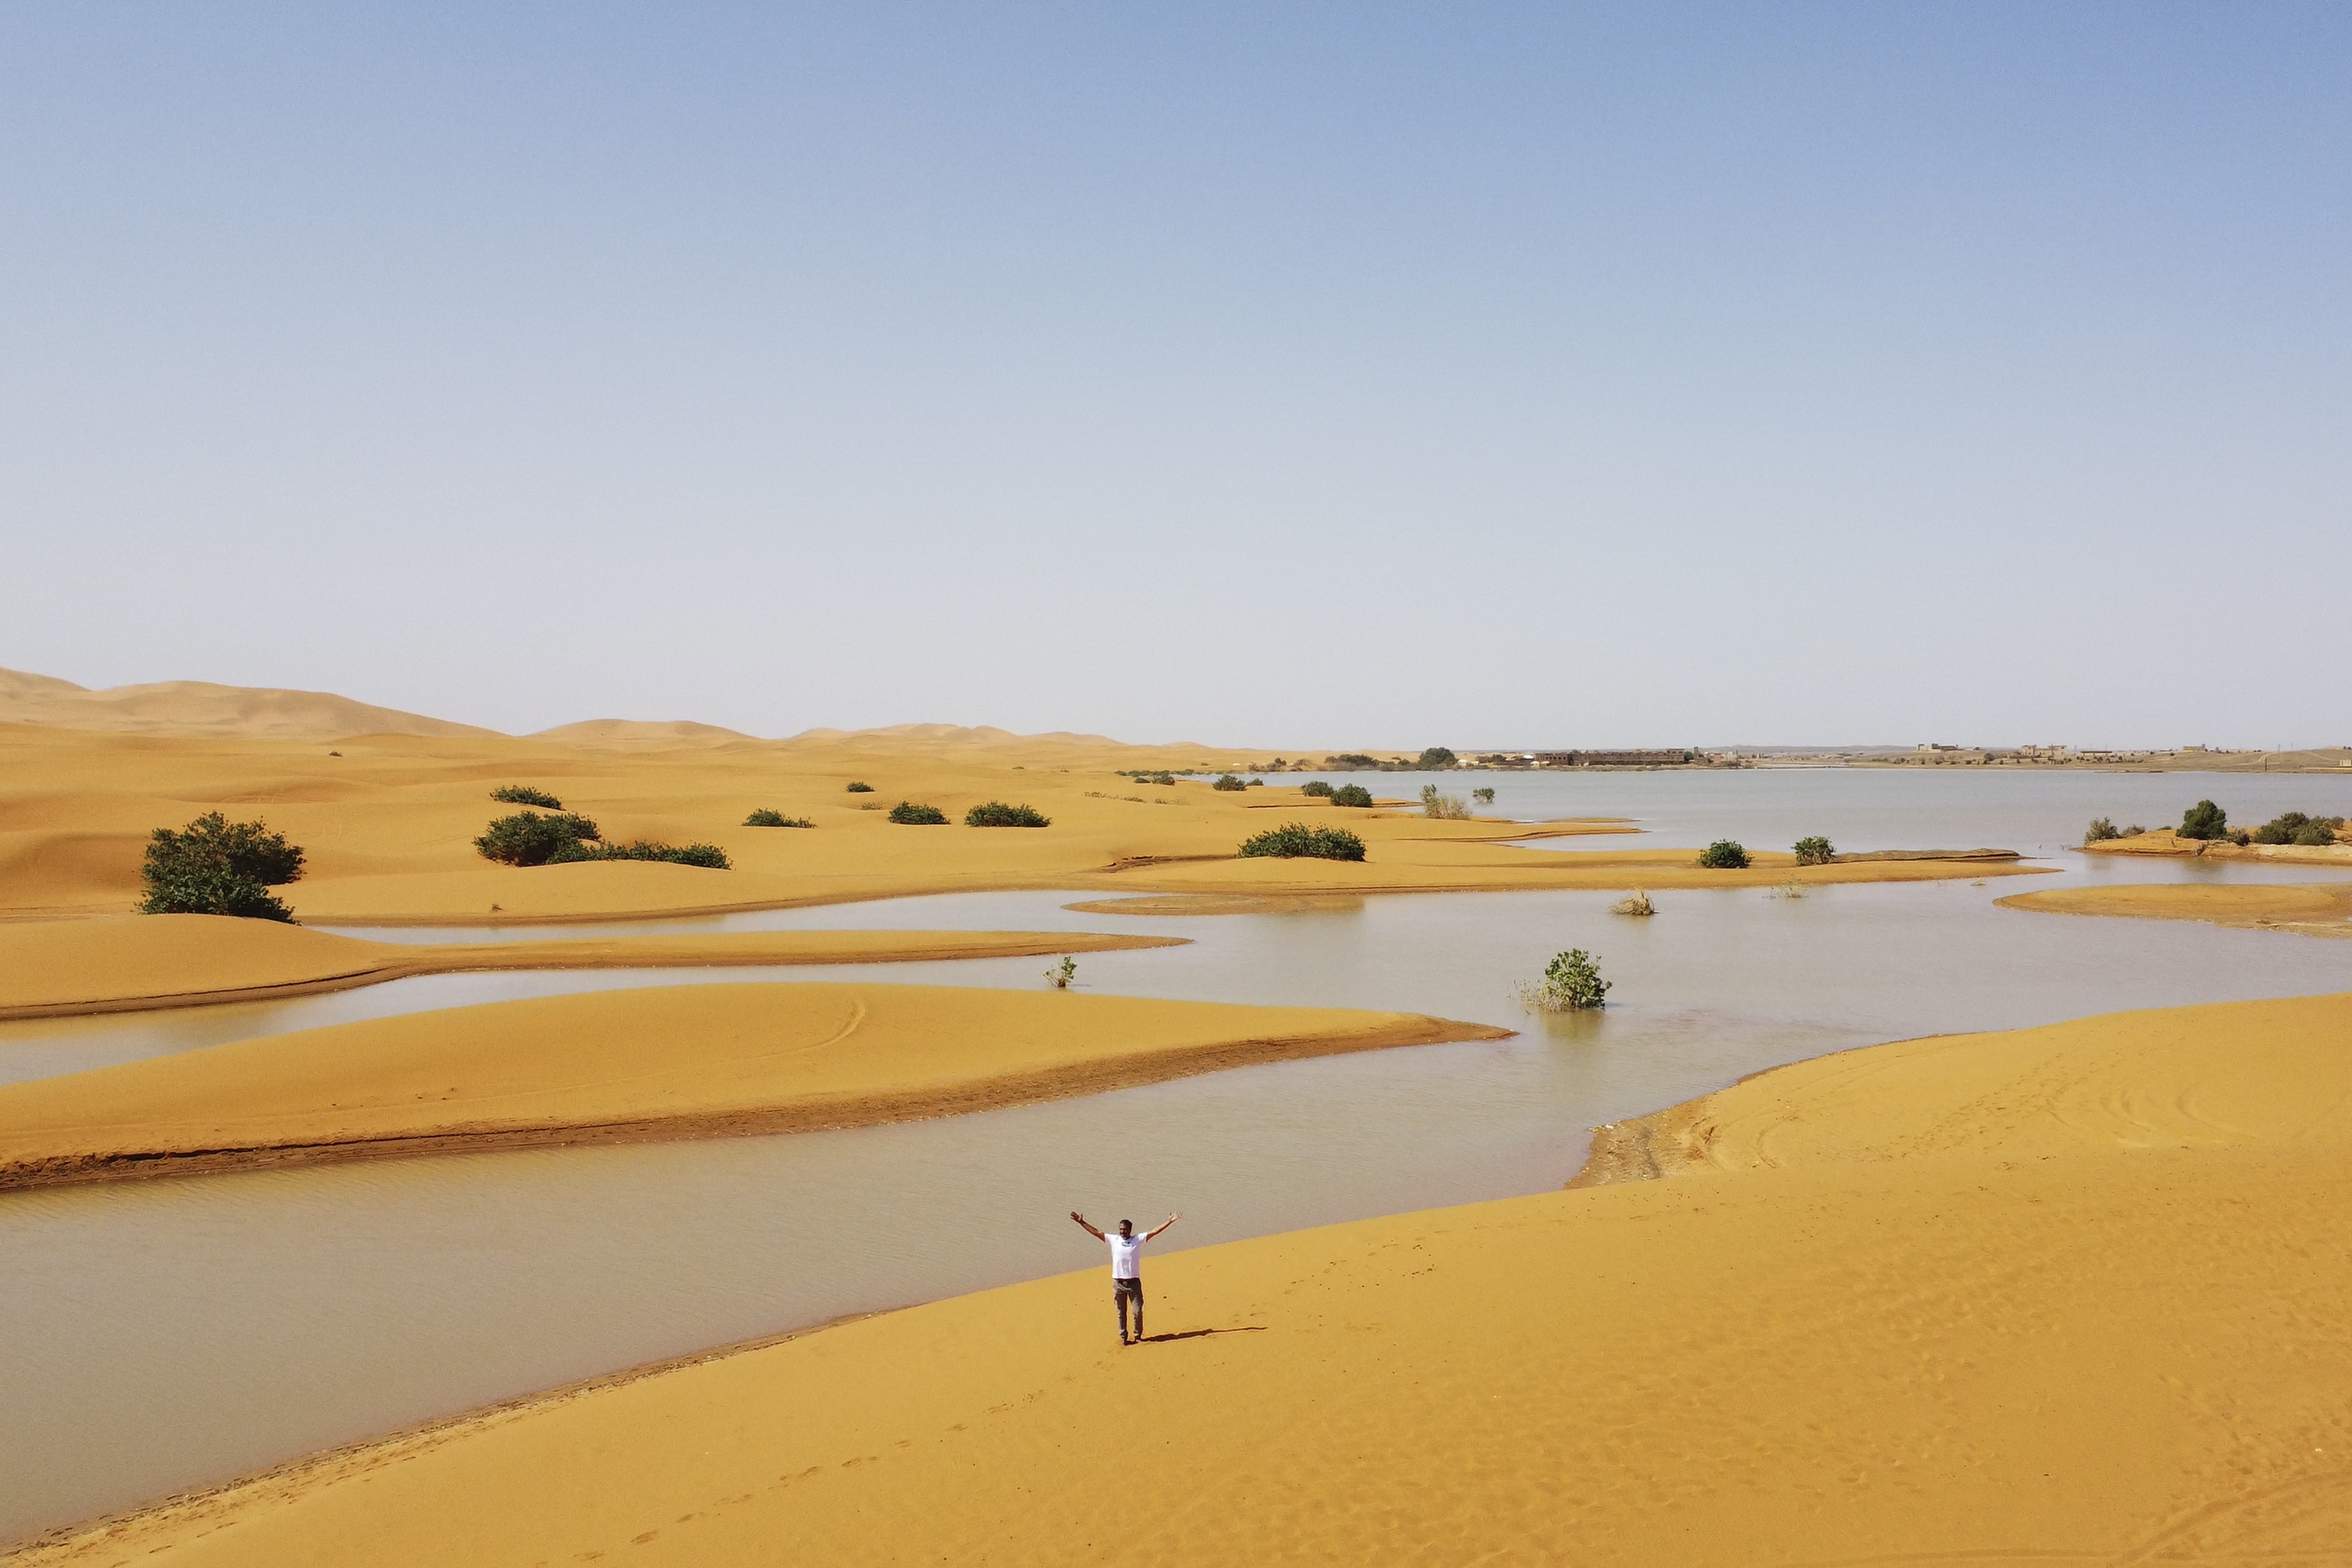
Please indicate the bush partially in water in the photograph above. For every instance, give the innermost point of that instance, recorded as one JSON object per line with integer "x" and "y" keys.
{"x": 997, "y": 814}
{"x": 1638, "y": 903}
{"x": 528, "y": 839}
{"x": 1484, "y": 797}
{"x": 766, "y": 817}
{"x": 1814, "y": 852}
{"x": 2101, "y": 831}
{"x": 1060, "y": 975}
{"x": 1444, "y": 808}
{"x": 214, "y": 866}
{"x": 525, "y": 795}
{"x": 2205, "y": 821}
{"x": 1294, "y": 841}
{"x": 1351, "y": 795}
{"x": 1316, "y": 786}
{"x": 709, "y": 856}
{"x": 907, "y": 814}
{"x": 858, "y": 787}
{"x": 1228, "y": 782}
{"x": 1724, "y": 854}
{"x": 1571, "y": 983}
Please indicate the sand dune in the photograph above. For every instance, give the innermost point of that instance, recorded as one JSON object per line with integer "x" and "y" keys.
{"x": 389, "y": 825}
{"x": 2064, "y": 1296}
{"x": 640, "y": 732}
{"x": 2309, "y": 909}
{"x": 199, "y": 707}
{"x": 672, "y": 1061}
{"x": 129, "y": 963}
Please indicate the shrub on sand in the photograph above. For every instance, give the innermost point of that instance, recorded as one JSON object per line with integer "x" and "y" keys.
{"x": 1351, "y": 795}
{"x": 524, "y": 795}
{"x": 1294, "y": 841}
{"x": 1639, "y": 903}
{"x": 709, "y": 856}
{"x": 528, "y": 839}
{"x": 214, "y": 866}
{"x": 2101, "y": 831}
{"x": 1434, "y": 758}
{"x": 766, "y": 817}
{"x": 2295, "y": 828}
{"x": 997, "y": 814}
{"x": 1814, "y": 850}
{"x": 1316, "y": 786}
{"x": 1724, "y": 854}
{"x": 857, "y": 786}
{"x": 1571, "y": 983}
{"x": 2205, "y": 821}
{"x": 1228, "y": 782}
{"x": 907, "y": 814}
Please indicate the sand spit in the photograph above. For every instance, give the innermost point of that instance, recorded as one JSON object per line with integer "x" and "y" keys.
{"x": 2165, "y": 841}
{"x": 699, "y": 1060}
{"x": 132, "y": 963}
{"x": 2306, "y": 909}
{"x": 388, "y": 822}
{"x": 2065, "y": 1295}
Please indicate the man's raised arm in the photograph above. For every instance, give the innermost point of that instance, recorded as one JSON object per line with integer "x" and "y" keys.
{"x": 1149, "y": 1234}
{"x": 1090, "y": 1229}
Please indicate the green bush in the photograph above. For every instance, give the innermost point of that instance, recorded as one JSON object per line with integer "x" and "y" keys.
{"x": 907, "y": 814}
{"x": 1444, "y": 807}
{"x": 858, "y": 787}
{"x": 214, "y": 866}
{"x": 766, "y": 817}
{"x": 1351, "y": 795}
{"x": 524, "y": 795}
{"x": 997, "y": 814}
{"x": 1434, "y": 758}
{"x": 2205, "y": 821}
{"x": 1228, "y": 782}
{"x": 2134, "y": 831}
{"x": 2295, "y": 828}
{"x": 2100, "y": 830}
{"x": 709, "y": 856}
{"x": 1294, "y": 841}
{"x": 1316, "y": 786}
{"x": 1349, "y": 761}
{"x": 1724, "y": 854}
{"x": 1812, "y": 851}
{"x": 528, "y": 839}
{"x": 1484, "y": 797}
{"x": 1571, "y": 983}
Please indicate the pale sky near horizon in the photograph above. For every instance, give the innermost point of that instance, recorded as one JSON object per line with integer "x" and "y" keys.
{"x": 1364, "y": 375}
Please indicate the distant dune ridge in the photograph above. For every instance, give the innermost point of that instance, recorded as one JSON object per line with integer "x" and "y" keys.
{"x": 199, "y": 707}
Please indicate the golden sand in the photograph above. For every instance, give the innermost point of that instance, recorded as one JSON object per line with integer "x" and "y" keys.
{"x": 127, "y": 963}
{"x": 2165, "y": 841}
{"x": 2309, "y": 909}
{"x": 2065, "y": 1295}
{"x": 657, "y": 1062}
{"x": 389, "y": 825}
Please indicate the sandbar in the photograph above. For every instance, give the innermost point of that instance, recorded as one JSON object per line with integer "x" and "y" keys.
{"x": 661, "y": 1062}
{"x": 2166, "y": 841}
{"x": 2307, "y": 909}
{"x": 2064, "y": 1295}
{"x": 129, "y": 963}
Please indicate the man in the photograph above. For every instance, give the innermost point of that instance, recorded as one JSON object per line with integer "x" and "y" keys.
{"x": 1126, "y": 1268}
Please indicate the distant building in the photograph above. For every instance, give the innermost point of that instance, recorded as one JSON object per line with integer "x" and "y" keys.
{"x": 1935, "y": 745}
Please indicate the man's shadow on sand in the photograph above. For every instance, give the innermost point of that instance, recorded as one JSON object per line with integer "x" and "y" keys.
{"x": 1199, "y": 1334}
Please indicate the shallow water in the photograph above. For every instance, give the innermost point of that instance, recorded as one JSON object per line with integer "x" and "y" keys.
{"x": 159, "y": 1335}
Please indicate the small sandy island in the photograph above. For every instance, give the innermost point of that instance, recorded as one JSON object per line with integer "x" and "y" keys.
{"x": 663, "y": 1063}
{"x": 2307, "y": 909}
{"x": 2072, "y": 1294}
{"x": 128, "y": 963}
{"x": 2166, "y": 841}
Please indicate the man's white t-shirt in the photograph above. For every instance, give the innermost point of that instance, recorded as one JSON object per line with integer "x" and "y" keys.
{"x": 1126, "y": 1252}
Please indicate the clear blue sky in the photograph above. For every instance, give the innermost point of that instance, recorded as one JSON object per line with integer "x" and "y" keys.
{"x": 1338, "y": 375}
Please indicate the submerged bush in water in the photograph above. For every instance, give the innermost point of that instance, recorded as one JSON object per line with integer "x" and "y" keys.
{"x": 997, "y": 814}
{"x": 1294, "y": 841}
{"x": 1484, "y": 797}
{"x": 1063, "y": 973}
{"x": 1814, "y": 852}
{"x": 907, "y": 813}
{"x": 1571, "y": 983}
{"x": 1639, "y": 903}
{"x": 1724, "y": 854}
